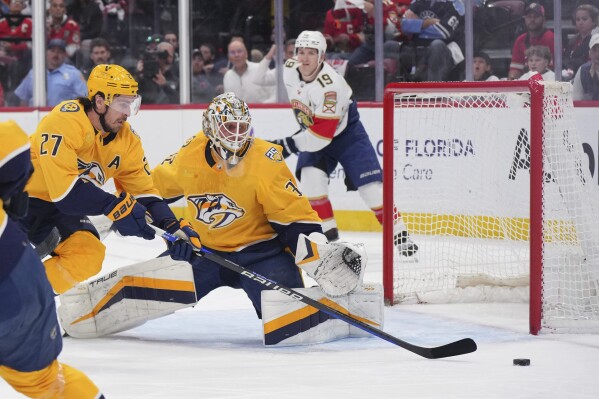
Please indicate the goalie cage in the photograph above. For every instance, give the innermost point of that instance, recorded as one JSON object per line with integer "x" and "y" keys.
{"x": 492, "y": 178}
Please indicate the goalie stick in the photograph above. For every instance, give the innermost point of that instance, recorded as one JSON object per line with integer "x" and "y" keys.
{"x": 461, "y": 347}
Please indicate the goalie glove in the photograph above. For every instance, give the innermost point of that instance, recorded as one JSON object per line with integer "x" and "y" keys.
{"x": 337, "y": 267}
{"x": 288, "y": 145}
{"x": 188, "y": 242}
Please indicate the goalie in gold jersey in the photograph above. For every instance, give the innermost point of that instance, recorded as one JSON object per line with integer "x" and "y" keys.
{"x": 75, "y": 150}
{"x": 245, "y": 203}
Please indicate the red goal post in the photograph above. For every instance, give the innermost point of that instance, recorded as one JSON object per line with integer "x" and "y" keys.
{"x": 489, "y": 178}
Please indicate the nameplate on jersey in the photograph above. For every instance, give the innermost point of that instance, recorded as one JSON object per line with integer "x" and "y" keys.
{"x": 71, "y": 106}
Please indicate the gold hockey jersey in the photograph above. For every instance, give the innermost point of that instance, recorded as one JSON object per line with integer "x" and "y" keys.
{"x": 233, "y": 209}
{"x": 65, "y": 147}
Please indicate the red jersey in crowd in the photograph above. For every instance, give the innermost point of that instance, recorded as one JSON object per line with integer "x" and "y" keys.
{"x": 523, "y": 42}
{"x": 68, "y": 31}
{"x": 16, "y": 28}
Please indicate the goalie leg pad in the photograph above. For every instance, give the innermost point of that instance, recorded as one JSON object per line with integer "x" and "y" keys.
{"x": 288, "y": 322}
{"x": 337, "y": 267}
{"x": 127, "y": 297}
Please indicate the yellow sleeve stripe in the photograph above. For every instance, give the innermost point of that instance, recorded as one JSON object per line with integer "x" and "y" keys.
{"x": 144, "y": 288}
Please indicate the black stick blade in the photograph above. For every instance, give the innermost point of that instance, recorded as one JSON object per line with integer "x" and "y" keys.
{"x": 461, "y": 347}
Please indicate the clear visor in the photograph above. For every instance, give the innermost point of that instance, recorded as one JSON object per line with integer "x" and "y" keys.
{"x": 128, "y": 105}
{"x": 234, "y": 134}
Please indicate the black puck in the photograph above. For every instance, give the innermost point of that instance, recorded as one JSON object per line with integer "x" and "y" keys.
{"x": 521, "y": 362}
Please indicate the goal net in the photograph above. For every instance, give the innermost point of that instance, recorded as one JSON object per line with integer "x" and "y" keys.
{"x": 493, "y": 184}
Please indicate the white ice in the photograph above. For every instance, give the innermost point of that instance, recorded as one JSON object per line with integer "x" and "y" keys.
{"x": 215, "y": 351}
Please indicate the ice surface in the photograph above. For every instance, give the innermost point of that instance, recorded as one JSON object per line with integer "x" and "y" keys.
{"x": 215, "y": 351}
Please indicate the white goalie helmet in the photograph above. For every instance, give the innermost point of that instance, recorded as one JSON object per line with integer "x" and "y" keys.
{"x": 227, "y": 123}
{"x": 311, "y": 39}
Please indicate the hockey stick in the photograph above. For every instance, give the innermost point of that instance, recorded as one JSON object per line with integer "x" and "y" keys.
{"x": 46, "y": 247}
{"x": 461, "y": 347}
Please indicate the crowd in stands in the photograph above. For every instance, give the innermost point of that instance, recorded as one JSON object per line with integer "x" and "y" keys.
{"x": 423, "y": 41}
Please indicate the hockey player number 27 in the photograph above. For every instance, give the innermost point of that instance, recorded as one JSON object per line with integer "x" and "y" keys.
{"x": 56, "y": 138}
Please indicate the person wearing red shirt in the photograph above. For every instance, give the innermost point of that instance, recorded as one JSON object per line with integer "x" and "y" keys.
{"x": 343, "y": 29}
{"x": 15, "y": 26}
{"x": 537, "y": 35}
{"x": 60, "y": 26}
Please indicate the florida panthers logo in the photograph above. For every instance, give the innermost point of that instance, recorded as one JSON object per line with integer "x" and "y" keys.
{"x": 92, "y": 172}
{"x": 216, "y": 210}
{"x": 303, "y": 114}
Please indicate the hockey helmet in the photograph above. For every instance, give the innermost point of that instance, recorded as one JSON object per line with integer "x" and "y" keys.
{"x": 311, "y": 39}
{"x": 227, "y": 123}
{"x": 117, "y": 85}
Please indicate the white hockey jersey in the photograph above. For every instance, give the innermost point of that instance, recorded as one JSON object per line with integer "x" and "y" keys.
{"x": 320, "y": 106}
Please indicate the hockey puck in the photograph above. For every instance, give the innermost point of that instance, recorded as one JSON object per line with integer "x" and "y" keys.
{"x": 521, "y": 362}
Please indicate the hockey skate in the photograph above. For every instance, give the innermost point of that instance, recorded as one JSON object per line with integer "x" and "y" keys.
{"x": 404, "y": 244}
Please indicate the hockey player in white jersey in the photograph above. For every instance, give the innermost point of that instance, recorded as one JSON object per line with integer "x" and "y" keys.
{"x": 330, "y": 133}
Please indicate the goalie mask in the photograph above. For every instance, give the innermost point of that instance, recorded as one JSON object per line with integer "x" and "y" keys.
{"x": 227, "y": 123}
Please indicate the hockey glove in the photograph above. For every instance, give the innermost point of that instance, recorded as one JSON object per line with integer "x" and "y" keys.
{"x": 129, "y": 217}
{"x": 188, "y": 242}
{"x": 288, "y": 145}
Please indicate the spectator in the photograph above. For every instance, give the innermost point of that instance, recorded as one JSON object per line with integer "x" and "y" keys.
{"x": 437, "y": 34}
{"x": 99, "y": 54}
{"x": 15, "y": 26}
{"x": 536, "y": 35}
{"x": 88, "y": 15}
{"x": 214, "y": 69}
{"x": 481, "y": 68}
{"x": 60, "y": 26}
{"x": 247, "y": 79}
{"x": 63, "y": 81}
{"x": 343, "y": 30}
{"x": 393, "y": 10}
{"x": 586, "y": 81}
{"x": 537, "y": 60}
{"x": 576, "y": 52}
{"x": 171, "y": 37}
{"x": 158, "y": 79}
{"x": 153, "y": 41}
{"x": 202, "y": 90}
{"x": 256, "y": 55}
{"x": 289, "y": 49}
{"x": 15, "y": 55}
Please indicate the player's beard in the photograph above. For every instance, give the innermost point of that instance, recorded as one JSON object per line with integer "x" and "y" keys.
{"x": 105, "y": 126}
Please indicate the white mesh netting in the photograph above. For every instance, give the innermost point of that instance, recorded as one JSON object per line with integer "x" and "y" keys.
{"x": 462, "y": 183}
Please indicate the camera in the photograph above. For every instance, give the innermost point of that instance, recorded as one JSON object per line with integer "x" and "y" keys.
{"x": 150, "y": 59}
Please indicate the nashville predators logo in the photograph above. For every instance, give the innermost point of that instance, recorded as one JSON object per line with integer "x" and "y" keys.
{"x": 216, "y": 210}
{"x": 70, "y": 107}
{"x": 91, "y": 172}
